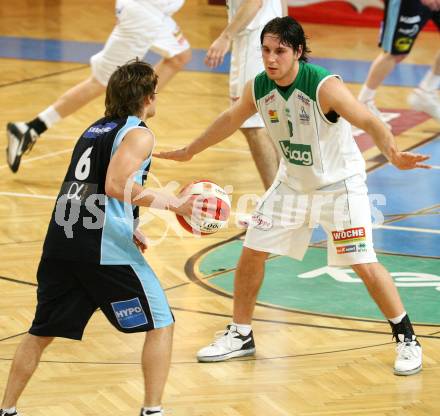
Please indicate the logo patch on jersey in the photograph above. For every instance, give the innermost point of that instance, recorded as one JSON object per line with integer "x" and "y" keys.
{"x": 261, "y": 222}
{"x": 349, "y": 235}
{"x": 411, "y": 32}
{"x": 298, "y": 154}
{"x": 99, "y": 129}
{"x": 403, "y": 44}
{"x": 410, "y": 20}
{"x": 304, "y": 117}
{"x": 346, "y": 249}
{"x": 303, "y": 99}
{"x": 273, "y": 115}
{"x": 129, "y": 313}
{"x": 269, "y": 99}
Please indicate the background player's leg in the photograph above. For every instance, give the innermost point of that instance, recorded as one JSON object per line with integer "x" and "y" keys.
{"x": 25, "y": 362}
{"x": 425, "y": 97}
{"x": 263, "y": 151}
{"x": 168, "y": 67}
{"x": 156, "y": 359}
{"x": 379, "y": 70}
{"x": 78, "y": 96}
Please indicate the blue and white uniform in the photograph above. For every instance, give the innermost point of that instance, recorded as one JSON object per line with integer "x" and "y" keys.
{"x": 89, "y": 259}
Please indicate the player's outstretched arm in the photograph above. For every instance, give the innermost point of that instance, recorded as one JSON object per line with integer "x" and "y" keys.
{"x": 223, "y": 126}
{"x": 245, "y": 14}
{"x": 334, "y": 95}
{"x": 136, "y": 147}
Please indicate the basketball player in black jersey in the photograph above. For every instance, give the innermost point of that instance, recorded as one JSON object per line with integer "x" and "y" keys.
{"x": 91, "y": 256}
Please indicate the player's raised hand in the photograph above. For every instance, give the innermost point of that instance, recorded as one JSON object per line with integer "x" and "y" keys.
{"x": 217, "y": 51}
{"x": 408, "y": 160}
{"x": 179, "y": 155}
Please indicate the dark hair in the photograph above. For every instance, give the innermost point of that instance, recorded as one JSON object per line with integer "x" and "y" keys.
{"x": 290, "y": 33}
{"x": 128, "y": 87}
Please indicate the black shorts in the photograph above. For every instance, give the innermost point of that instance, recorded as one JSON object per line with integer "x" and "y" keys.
{"x": 402, "y": 23}
{"x": 69, "y": 293}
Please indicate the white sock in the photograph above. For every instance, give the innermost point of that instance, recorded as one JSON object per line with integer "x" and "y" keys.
{"x": 157, "y": 409}
{"x": 398, "y": 319}
{"x": 243, "y": 329}
{"x": 366, "y": 94}
{"x": 49, "y": 116}
{"x": 10, "y": 411}
{"x": 430, "y": 82}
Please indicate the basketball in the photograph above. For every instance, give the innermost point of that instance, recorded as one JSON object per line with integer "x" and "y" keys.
{"x": 215, "y": 211}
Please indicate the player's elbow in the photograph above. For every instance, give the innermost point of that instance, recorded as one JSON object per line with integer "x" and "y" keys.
{"x": 113, "y": 188}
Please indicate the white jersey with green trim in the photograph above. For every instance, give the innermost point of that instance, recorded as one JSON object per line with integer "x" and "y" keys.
{"x": 269, "y": 10}
{"x": 315, "y": 152}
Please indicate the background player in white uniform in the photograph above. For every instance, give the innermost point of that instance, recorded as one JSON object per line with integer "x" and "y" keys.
{"x": 141, "y": 25}
{"x": 402, "y": 23}
{"x": 246, "y": 19}
{"x": 307, "y": 112}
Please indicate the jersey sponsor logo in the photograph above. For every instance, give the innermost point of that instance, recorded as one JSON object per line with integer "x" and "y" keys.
{"x": 129, "y": 313}
{"x": 298, "y": 154}
{"x": 410, "y": 20}
{"x": 411, "y": 32}
{"x": 269, "y": 99}
{"x": 303, "y": 99}
{"x": 95, "y": 131}
{"x": 273, "y": 116}
{"x": 261, "y": 222}
{"x": 346, "y": 249}
{"x": 304, "y": 117}
{"x": 403, "y": 44}
{"x": 348, "y": 235}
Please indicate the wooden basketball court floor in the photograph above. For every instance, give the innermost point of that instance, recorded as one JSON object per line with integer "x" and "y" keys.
{"x": 306, "y": 363}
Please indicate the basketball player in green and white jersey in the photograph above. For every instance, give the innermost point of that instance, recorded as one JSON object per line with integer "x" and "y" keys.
{"x": 308, "y": 112}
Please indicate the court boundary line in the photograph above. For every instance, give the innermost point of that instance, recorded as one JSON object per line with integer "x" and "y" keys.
{"x": 47, "y": 75}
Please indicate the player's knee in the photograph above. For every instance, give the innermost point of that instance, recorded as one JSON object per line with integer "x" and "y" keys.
{"x": 366, "y": 270}
{"x": 253, "y": 256}
{"x": 39, "y": 341}
{"x": 95, "y": 85}
{"x": 396, "y": 58}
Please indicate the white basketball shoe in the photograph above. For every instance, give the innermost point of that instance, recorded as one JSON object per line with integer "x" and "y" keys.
{"x": 409, "y": 356}
{"x": 227, "y": 344}
{"x": 426, "y": 101}
{"x": 21, "y": 138}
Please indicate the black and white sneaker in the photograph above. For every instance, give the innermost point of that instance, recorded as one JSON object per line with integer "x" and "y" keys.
{"x": 21, "y": 139}
{"x": 227, "y": 344}
{"x": 145, "y": 412}
{"x": 3, "y": 413}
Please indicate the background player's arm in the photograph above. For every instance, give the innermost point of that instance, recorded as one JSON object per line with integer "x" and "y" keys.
{"x": 135, "y": 148}
{"x": 431, "y": 4}
{"x": 285, "y": 7}
{"x": 245, "y": 14}
{"x": 224, "y": 125}
{"x": 334, "y": 95}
